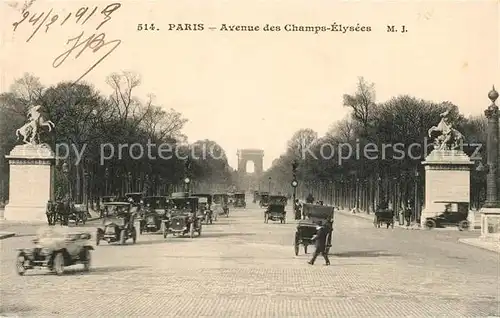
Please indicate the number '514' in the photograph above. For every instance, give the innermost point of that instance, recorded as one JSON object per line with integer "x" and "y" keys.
{"x": 146, "y": 27}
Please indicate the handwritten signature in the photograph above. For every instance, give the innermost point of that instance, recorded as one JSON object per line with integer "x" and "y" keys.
{"x": 94, "y": 42}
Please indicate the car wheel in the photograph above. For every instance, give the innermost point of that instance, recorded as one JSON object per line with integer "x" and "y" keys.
{"x": 21, "y": 259}
{"x": 87, "y": 259}
{"x": 123, "y": 237}
{"x": 430, "y": 224}
{"x": 463, "y": 225}
{"x": 58, "y": 264}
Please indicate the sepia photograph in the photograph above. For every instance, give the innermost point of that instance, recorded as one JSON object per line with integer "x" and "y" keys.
{"x": 211, "y": 158}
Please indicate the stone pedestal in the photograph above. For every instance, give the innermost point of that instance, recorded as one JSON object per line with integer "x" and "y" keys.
{"x": 30, "y": 182}
{"x": 447, "y": 179}
{"x": 490, "y": 224}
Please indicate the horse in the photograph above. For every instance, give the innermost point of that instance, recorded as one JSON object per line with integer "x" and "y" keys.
{"x": 450, "y": 137}
{"x": 30, "y": 129}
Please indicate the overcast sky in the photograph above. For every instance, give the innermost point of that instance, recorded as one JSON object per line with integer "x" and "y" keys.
{"x": 255, "y": 89}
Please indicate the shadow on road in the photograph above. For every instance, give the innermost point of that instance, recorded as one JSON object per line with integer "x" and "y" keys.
{"x": 218, "y": 235}
{"x": 364, "y": 254}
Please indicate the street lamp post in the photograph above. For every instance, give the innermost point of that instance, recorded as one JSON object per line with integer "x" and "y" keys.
{"x": 129, "y": 179}
{"x": 269, "y": 185}
{"x": 416, "y": 204}
{"x": 294, "y": 185}
{"x": 186, "y": 184}
{"x": 106, "y": 177}
{"x": 65, "y": 170}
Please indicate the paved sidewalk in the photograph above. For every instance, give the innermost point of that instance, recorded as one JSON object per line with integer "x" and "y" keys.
{"x": 480, "y": 243}
{"x": 370, "y": 217}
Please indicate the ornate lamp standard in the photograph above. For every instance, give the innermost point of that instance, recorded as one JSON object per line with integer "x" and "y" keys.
{"x": 294, "y": 186}
{"x": 269, "y": 185}
{"x": 106, "y": 179}
{"x": 187, "y": 181}
{"x": 491, "y": 208}
{"x": 65, "y": 171}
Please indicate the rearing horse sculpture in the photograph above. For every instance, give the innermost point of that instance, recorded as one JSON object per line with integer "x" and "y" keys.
{"x": 30, "y": 130}
{"x": 450, "y": 138}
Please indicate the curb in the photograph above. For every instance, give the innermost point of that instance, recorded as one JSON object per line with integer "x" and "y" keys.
{"x": 468, "y": 241}
{"x": 4, "y": 235}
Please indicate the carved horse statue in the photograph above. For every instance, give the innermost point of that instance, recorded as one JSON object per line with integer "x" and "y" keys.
{"x": 30, "y": 130}
{"x": 449, "y": 137}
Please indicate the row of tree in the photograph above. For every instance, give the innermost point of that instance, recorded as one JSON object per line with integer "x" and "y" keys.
{"x": 359, "y": 162}
{"x": 85, "y": 120}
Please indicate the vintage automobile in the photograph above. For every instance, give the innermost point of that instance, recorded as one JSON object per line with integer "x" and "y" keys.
{"x": 454, "y": 214}
{"x": 135, "y": 198}
{"x": 256, "y": 196}
{"x": 276, "y": 209}
{"x": 79, "y": 213}
{"x": 239, "y": 198}
{"x": 120, "y": 227}
{"x": 153, "y": 211}
{"x": 205, "y": 206}
{"x": 183, "y": 218}
{"x": 383, "y": 215}
{"x": 220, "y": 204}
{"x": 264, "y": 199}
{"x": 306, "y": 229}
{"x": 54, "y": 249}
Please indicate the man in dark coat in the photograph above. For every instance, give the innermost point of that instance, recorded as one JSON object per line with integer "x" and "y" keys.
{"x": 320, "y": 239}
{"x": 310, "y": 199}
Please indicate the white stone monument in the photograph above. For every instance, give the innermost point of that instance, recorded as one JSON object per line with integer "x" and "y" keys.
{"x": 31, "y": 171}
{"x": 447, "y": 179}
{"x": 447, "y": 171}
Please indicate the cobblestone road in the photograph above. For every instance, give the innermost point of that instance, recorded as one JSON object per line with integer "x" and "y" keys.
{"x": 241, "y": 267}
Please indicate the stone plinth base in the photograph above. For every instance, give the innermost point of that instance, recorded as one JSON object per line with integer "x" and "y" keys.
{"x": 447, "y": 180}
{"x": 490, "y": 224}
{"x": 30, "y": 182}
{"x": 474, "y": 219}
{"x": 34, "y": 214}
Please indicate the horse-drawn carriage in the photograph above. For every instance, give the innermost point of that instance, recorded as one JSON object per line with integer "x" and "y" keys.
{"x": 317, "y": 215}
{"x": 276, "y": 209}
{"x": 384, "y": 215}
{"x": 66, "y": 212}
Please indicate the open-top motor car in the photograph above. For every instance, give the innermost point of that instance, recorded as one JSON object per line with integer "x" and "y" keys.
{"x": 55, "y": 248}
{"x": 205, "y": 205}
{"x": 119, "y": 228}
{"x": 220, "y": 204}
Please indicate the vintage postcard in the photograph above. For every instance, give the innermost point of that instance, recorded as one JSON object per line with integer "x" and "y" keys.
{"x": 211, "y": 158}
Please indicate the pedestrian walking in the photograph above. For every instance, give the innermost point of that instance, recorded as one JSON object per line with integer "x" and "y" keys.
{"x": 320, "y": 239}
{"x": 310, "y": 199}
{"x": 408, "y": 214}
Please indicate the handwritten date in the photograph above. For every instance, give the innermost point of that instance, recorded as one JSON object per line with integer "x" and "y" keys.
{"x": 80, "y": 17}
{"x": 79, "y": 44}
